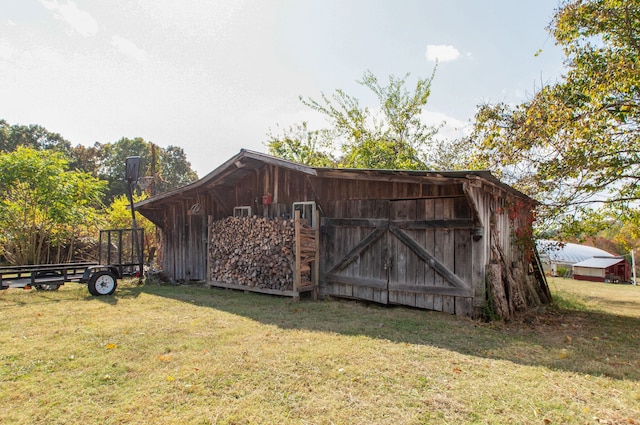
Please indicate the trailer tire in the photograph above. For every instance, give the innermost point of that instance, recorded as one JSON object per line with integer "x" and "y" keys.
{"x": 47, "y": 286}
{"x": 102, "y": 283}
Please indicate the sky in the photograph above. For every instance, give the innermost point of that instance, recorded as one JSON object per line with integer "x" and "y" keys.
{"x": 217, "y": 76}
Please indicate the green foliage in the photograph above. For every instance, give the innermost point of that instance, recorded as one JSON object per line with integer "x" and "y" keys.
{"x": 31, "y": 136}
{"x": 112, "y": 162}
{"x": 393, "y": 136}
{"x": 44, "y": 207}
{"x": 576, "y": 143}
{"x": 299, "y": 144}
{"x": 175, "y": 170}
{"x": 118, "y": 216}
{"x": 166, "y": 168}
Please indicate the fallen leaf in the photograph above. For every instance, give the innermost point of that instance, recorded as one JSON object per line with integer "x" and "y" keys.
{"x": 111, "y": 346}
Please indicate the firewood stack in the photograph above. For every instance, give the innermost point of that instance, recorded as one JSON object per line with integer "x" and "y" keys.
{"x": 259, "y": 253}
{"x": 307, "y": 252}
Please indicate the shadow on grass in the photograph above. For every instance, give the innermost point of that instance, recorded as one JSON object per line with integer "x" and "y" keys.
{"x": 122, "y": 292}
{"x": 566, "y": 336}
{"x": 128, "y": 290}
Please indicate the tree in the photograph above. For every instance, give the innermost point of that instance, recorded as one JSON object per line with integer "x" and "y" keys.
{"x": 166, "y": 168}
{"x": 44, "y": 208}
{"x": 575, "y": 145}
{"x": 112, "y": 163}
{"x": 118, "y": 216}
{"x": 175, "y": 170}
{"x": 299, "y": 144}
{"x": 393, "y": 136}
{"x": 85, "y": 159}
{"x": 31, "y": 136}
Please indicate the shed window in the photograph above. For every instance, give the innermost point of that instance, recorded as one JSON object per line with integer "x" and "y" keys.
{"x": 307, "y": 210}
{"x": 242, "y": 211}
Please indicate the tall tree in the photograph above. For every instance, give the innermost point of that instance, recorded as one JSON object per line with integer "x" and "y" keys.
{"x": 165, "y": 169}
{"x": 301, "y": 145}
{"x": 175, "y": 170}
{"x": 576, "y": 143}
{"x": 44, "y": 208}
{"x": 112, "y": 163}
{"x": 118, "y": 216}
{"x": 31, "y": 136}
{"x": 392, "y": 136}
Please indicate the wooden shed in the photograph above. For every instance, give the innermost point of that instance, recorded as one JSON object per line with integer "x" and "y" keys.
{"x": 603, "y": 269}
{"x": 457, "y": 241}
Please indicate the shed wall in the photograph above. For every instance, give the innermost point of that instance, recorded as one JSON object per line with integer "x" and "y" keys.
{"x": 424, "y": 242}
{"x": 588, "y": 271}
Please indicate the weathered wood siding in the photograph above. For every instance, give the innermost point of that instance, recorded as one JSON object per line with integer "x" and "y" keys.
{"x": 426, "y": 240}
{"x": 414, "y": 252}
{"x": 185, "y": 244}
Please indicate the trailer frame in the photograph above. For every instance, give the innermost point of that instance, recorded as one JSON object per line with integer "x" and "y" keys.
{"x": 119, "y": 256}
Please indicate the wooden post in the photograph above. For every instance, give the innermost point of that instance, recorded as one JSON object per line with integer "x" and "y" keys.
{"x": 316, "y": 263}
{"x": 297, "y": 274}
{"x": 208, "y": 254}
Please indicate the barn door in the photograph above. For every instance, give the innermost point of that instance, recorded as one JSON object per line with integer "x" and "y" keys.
{"x": 355, "y": 250}
{"x": 431, "y": 265}
{"x": 414, "y": 252}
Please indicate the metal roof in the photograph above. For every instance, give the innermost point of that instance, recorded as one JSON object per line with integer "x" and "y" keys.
{"x": 564, "y": 252}
{"x": 246, "y": 162}
{"x": 599, "y": 262}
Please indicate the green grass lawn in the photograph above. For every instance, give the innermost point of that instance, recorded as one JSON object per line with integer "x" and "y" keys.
{"x": 192, "y": 355}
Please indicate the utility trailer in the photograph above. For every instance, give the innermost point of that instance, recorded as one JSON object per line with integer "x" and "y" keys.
{"x": 119, "y": 256}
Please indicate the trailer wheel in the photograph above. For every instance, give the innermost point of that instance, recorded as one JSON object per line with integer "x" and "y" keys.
{"x": 102, "y": 283}
{"x": 47, "y": 286}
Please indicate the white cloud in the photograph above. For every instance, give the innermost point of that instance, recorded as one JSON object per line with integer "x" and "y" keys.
{"x": 441, "y": 53}
{"x": 452, "y": 128}
{"x": 79, "y": 20}
{"x": 128, "y": 48}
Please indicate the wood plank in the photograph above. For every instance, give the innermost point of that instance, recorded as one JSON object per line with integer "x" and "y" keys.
{"x": 432, "y": 289}
{"x": 464, "y": 306}
{"x": 447, "y": 242}
{"x": 355, "y": 222}
{"x": 462, "y": 223}
{"x": 462, "y": 255}
{"x": 405, "y": 261}
{"x": 453, "y": 223}
{"x": 427, "y": 212}
{"x": 315, "y": 277}
{"x": 448, "y": 304}
{"x": 430, "y": 259}
{"x": 297, "y": 274}
{"x": 218, "y": 284}
{"x": 356, "y": 281}
{"x": 357, "y": 250}
{"x": 437, "y": 249}
{"x": 420, "y": 236}
{"x": 437, "y": 302}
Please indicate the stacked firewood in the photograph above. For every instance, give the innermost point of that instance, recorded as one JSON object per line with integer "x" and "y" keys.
{"x": 257, "y": 252}
{"x": 307, "y": 252}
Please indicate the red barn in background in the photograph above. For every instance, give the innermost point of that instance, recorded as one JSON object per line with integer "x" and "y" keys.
{"x": 603, "y": 269}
